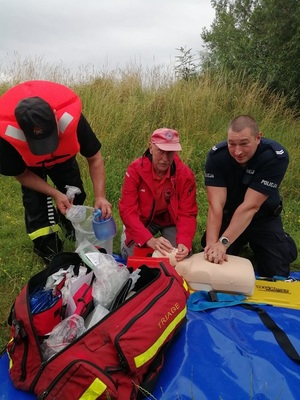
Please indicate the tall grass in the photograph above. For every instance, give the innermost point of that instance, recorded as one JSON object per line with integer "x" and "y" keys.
{"x": 124, "y": 107}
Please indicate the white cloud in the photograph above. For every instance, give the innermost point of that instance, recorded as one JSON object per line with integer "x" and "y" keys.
{"x": 98, "y": 32}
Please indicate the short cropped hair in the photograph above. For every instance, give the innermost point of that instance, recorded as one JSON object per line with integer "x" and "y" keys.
{"x": 241, "y": 122}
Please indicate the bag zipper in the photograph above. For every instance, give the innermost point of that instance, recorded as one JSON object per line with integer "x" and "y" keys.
{"x": 122, "y": 357}
{"x": 45, "y": 363}
{"x": 20, "y": 334}
{"x": 57, "y": 378}
{"x": 58, "y": 354}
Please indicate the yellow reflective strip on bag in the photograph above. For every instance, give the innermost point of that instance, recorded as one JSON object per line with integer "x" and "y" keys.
{"x": 44, "y": 231}
{"x": 148, "y": 354}
{"x": 185, "y": 285}
{"x": 10, "y": 363}
{"x": 94, "y": 390}
{"x": 10, "y": 359}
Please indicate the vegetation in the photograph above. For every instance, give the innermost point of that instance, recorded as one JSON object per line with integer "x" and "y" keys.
{"x": 260, "y": 38}
{"x": 124, "y": 107}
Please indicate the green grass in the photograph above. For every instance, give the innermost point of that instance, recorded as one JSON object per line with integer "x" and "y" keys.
{"x": 124, "y": 107}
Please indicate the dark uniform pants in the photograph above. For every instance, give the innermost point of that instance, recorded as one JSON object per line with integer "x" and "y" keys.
{"x": 274, "y": 250}
{"x": 41, "y": 216}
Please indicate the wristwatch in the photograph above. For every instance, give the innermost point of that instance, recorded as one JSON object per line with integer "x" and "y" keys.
{"x": 225, "y": 241}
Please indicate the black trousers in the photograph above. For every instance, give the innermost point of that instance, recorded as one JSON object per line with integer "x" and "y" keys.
{"x": 274, "y": 250}
{"x": 40, "y": 211}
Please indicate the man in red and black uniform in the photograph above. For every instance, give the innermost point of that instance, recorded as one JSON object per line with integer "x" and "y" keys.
{"x": 242, "y": 178}
{"x": 159, "y": 197}
{"x": 41, "y": 131}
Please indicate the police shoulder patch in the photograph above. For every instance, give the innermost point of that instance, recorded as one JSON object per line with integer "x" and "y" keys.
{"x": 218, "y": 146}
{"x": 278, "y": 149}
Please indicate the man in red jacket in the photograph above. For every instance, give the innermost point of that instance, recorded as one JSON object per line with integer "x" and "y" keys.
{"x": 42, "y": 129}
{"x": 159, "y": 197}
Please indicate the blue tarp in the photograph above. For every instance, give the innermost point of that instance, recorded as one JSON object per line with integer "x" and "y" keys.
{"x": 220, "y": 354}
{"x": 7, "y": 391}
{"x": 227, "y": 353}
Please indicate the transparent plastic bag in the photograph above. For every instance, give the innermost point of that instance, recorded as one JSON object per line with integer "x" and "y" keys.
{"x": 110, "y": 277}
{"x": 89, "y": 253}
{"x": 72, "y": 191}
{"x": 62, "y": 335}
{"x": 76, "y": 214}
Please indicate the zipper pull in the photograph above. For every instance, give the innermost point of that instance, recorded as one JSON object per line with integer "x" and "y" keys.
{"x": 43, "y": 395}
{"x": 19, "y": 329}
{"x": 123, "y": 361}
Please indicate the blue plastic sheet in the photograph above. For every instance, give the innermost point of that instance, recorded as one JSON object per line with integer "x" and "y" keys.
{"x": 220, "y": 354}
{"x": 7, "y": 390}
{"x": 227, "y": 353}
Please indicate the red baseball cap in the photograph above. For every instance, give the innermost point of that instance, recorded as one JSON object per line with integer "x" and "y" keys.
{"x": 166, "y": 139}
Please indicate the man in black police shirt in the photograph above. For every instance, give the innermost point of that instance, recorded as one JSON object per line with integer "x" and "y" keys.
{"x": 242, "y": 177}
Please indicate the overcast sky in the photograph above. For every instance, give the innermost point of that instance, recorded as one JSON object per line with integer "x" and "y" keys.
{"x": 101, "y": 33}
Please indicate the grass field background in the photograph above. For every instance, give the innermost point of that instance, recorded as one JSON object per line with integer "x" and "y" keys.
{"x": 124, "y": 107}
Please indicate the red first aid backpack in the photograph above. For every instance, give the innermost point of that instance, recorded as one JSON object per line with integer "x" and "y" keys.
{"x": 118, "y": 358}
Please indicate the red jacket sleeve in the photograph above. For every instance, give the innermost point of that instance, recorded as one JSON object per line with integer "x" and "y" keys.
{"x": 187, "y": 211}
{"x": 129, "y": 208}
